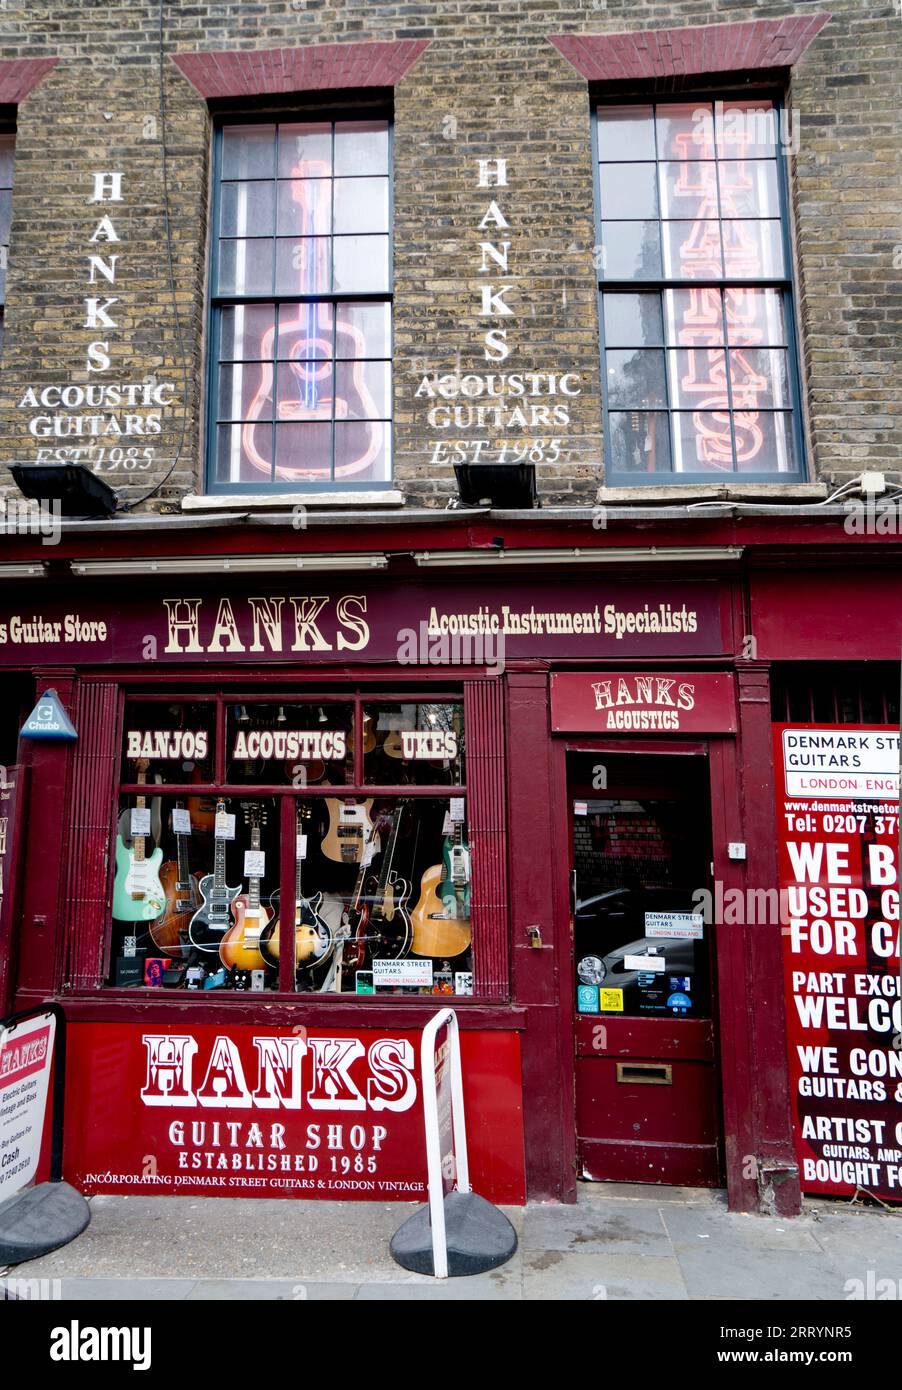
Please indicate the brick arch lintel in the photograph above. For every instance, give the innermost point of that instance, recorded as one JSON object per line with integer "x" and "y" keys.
{"x": 312, "y": 68}
{"x": 19, "y": 76}
{"x": 746, "y": 46}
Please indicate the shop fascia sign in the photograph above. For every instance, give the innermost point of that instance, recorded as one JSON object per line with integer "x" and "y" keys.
{"x": 628, "y": 702}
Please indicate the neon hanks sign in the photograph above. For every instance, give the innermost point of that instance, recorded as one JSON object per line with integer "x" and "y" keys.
{"x": 322, "y": 1073}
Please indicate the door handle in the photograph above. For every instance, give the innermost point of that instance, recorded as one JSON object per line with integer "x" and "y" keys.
{"x": 645, "y": 1073}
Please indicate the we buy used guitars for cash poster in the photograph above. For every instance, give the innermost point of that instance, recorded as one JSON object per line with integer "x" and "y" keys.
{"x": 838, "y": 824}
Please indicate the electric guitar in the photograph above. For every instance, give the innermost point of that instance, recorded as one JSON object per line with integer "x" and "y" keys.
{"x": 313, "y": 939}
{"x": 138, "y": 894}
{"x": 240, "y": 946}
{"x": 182, "y": 899}
{"x": 388, "y": 921}
{"x": 350, "y": 829}
{"x": 214, "y": 917}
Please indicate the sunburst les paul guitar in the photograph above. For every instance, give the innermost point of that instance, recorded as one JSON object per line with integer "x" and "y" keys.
{"x": 313, "y": 939}
{"x": 240, "y": 946}
{"x": 182, "y": 899}
{"x": 138, "y": 894}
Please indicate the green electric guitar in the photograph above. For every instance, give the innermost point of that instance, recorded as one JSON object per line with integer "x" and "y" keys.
{"x": 138, "y": 894}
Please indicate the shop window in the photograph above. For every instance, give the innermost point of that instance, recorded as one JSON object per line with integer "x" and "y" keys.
{"x": 301, "y": 389}
{"x": 7, "y": 151}
{"x": 699, "y": 371}
{"x": 229, "y": 809}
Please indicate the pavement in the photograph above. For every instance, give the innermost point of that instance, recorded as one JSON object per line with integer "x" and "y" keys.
{"x": 617, "y": 1242}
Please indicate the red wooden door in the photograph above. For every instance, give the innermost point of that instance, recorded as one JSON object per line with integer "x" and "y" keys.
{"x": 647, "y": 1089}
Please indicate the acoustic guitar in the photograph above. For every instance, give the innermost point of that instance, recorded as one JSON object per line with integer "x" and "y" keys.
{"x": 138, "y": 894}
{"x": 182, "y": 899}
{"x": 441, "y": 918}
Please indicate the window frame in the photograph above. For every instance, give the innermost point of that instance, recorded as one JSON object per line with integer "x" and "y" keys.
{"x": 283, "y": 115}
{"x": 785, "y": 286}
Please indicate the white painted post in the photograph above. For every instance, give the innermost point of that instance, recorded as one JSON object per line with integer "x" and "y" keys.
{"x": 445, "y": 1018}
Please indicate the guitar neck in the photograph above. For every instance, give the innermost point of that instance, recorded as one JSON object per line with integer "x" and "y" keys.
{"x": 140, "y": 805}
{"x": 253, "y": 883}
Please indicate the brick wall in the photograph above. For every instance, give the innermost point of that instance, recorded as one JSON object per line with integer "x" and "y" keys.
{"x": 488, "y": 86}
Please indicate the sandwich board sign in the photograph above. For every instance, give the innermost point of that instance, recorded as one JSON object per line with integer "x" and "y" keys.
{"x": 48, "y": 720}
{"x": 26, "y": 1056}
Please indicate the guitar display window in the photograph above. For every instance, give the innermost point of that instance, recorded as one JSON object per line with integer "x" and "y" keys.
{"x": 168, "y": 742}
{"x": 415, "y": 743}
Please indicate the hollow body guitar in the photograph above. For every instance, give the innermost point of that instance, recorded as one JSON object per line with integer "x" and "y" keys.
{"x": 138, "y": 894}
{"x": 313, "y": 939}
{"x": 215, "y": 915}
{"x": 182, "y": 900}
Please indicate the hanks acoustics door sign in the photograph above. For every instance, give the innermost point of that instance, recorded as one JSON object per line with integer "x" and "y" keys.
{"x": 837, "y": 818}
{"x": 507, "y": 417}
{"x": 95, "y": 423}
{"x": 262, "y": 1112}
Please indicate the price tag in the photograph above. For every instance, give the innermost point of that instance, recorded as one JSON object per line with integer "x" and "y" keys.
{"x": 369, "y": 850}
{"x": 300, "y": 847}
{"x": 181, "y": 821}
{"x": 254, "y": 863}
{"x": 129, "y": 946}
{"x": 458, "y": 810}
{"x": 140, "y": 820}
{"x": 224, "y": 827}
{"x": 447, "y": 824}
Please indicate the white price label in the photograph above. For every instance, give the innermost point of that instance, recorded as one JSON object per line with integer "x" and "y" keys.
{"x": 369, "y": 850}
{"x": 300, "y": 847}
{"x": 254, "y": 863}
{"x": 655, "y": 965}
{"x": 140, "y": 820}
{"x": 224, "y": 828}
{"x": 447, "y": 824}
{"x": 458, "y": 810}
{"x": 181, "y": 821}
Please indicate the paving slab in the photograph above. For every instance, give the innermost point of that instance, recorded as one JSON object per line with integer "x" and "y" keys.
{"x": 623, "y": 1228}
{"x": 765, "y": 1275}
{"x": 689, "y": 1228}
{"x": 557, "y": 1275}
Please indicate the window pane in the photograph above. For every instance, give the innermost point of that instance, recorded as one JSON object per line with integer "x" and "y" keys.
{"x": 305, "y": 390}
{"x": 167, "y": 743}
{"x": 635, "y": 377}
{"x": 755, "y": 316}
{"x": 698, "y": 378}
{"x": 628, "y": 190}
{"x": 746, "y": 128}
{"x": 361, "y": 147}
{"x": 245, "y": 392}
{"x": 246, "y": 209}
{"x": 297, "y": 744}
{"x": 413, "y": 743}
{"x": 764, "y": 442}
{"x": 303, "y": 452}
{"x": 363, "y": 330}
{"x": 361, "y": 205}
{"x": 360, "y": 263}
{"x": 625, "y": 132}
{"x": 640, "y": 442}
{"x": 685, "y": 130}
{"x": 691, "y": 250}
{"x": 246, "y": 330}
{"x": 760, "y": 379}
{"x": 302, "y": 265}
{"x": 363, "y": 452}
{"x": 245, "y": 267}
{"x": 363, "y": 391}
{"x": 632, "y": 320}
{"x": 248, "y": 152}
{"x": 748, "y": 188}
{"x": 702, "y": 442}
{"x": 305, "y": 150}
{"x": 7, "y": 151}
{"x": 244, "y": 453}
{"x": 631, "y": 250}
{"x": 6, "y": 208}
{"x": 694, "y": 317}
{"x": 305, "y": 331}
{"x": 305, "y": 207}
{"x": 753, "y": 249}
{"x": 688, "y": 189}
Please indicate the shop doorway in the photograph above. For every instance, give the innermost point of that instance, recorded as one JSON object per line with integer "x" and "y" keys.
{"x": 647, "y": 1082}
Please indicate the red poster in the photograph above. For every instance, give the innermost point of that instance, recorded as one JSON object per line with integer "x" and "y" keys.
{"x": 837, "y": 819}
{"x": 229, "y": 1111}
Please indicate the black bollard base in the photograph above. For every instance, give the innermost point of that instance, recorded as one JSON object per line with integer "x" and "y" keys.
{"x": 478, "y": 1236}
{"x": 40, "y": 1219}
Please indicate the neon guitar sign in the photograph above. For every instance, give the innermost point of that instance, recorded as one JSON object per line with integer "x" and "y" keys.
{"x": 304, "y": 348}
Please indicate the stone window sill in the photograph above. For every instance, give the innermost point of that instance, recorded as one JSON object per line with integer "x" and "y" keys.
{"x": 284, "y": 501}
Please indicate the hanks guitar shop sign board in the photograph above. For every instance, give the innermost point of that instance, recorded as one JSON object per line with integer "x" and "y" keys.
{"x": 26, "y": 1058}
{"x": 240, "y": 1111}
{"x": 837, "y": 831}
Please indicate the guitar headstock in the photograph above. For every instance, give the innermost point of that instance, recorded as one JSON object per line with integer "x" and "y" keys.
{"x": 255, "y": 815}
{"x": 141, "y": 766}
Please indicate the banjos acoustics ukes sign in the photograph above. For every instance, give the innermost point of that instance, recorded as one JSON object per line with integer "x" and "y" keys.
{"x": 411, "y": 623}
{"x": 643, "y": 702}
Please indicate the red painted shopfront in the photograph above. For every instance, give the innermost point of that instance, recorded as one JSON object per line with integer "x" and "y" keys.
{"x": 305, "y": 809}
